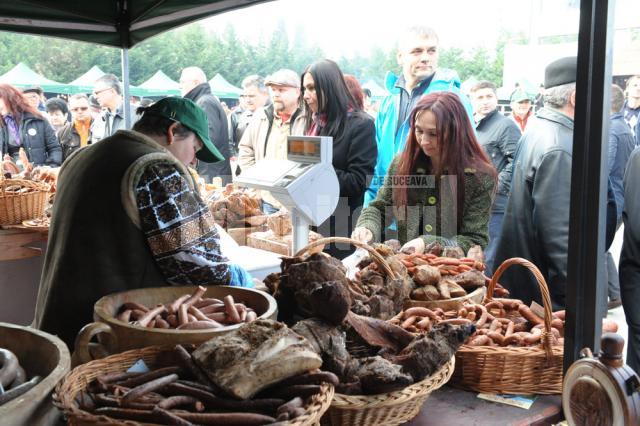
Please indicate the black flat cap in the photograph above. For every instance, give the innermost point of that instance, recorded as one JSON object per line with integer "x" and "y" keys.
{"x": 561, "y": 71}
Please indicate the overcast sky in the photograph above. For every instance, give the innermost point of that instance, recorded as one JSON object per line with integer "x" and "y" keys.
{"x": 343, "y": 27}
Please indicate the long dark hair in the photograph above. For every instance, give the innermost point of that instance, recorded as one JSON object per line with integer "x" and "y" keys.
{"x": 16, "y": 103}
{"x": 334, "y": 98}
{"x": 457, "y": 144}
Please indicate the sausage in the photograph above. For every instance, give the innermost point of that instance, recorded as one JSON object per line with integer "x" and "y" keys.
{"x": 111, "y": 401}
{"x": 199, "y": 325}
{"x": 218, "y": 316}
{"x": 560, "y": 314}
{"x": 172, "y": 320}
{"x": 421, "y": 312}
{"x": 19, "y": 390}
{"x": 178, "y": 400}
{"x": 251, "y": 316}
{"x": 289, "y": 392}
{"x": 456, "y": 321}
{"x": 136, "y": 314}
{"x": 316, "y": 378}
{"x": 161, "y": 323}
{"x": 409, "y": 321}
{"x": 206, "y": 302}
{"x": 195, "y": 296}
{"x": 533, "y": 337}
{"x": 510, "y": 304}
{"x": 230, "y": 309}
{"x": 187, "y": 362}
{"x": 21, "y": 377}
{"x": 182, "y": 315}
{"x": 127, "y": 414}
{"x": 196, "y": 313}
{"x": 147, "y": 387}
{"x": 496, "y": 337}
{"x": 424, "y": 324}
{"x": 495, "y": 324}
{"x": 237, "y": 419}
{"x": 471, "y": 316}
{"x": 513, "y": 339}
{"x": 9, "y": 368}
{"x": 191, "y": 318}
{"x": 214, "y": 307}
{"x": 494, "y": 305}
{"x": 510, "y": 329}
{"x": 172, "y": 308}
{"x": 133, "y": 306}
{"x": 151, "y": 375}
{"x": 479, "y": 341}
{"x": 170, "y": 418}
{"x": 124, "y": 315}
{"x": 484, "y": 316}
{"x": 288, "y": 407}
{"x": 150, "y": 315}
{"x": 529, "y": 315}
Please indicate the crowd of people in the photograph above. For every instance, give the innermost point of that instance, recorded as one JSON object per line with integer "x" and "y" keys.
{"x": 431, "y": 166}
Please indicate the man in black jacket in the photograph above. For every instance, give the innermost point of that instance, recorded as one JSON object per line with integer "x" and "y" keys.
{"x": 499, "y": 137}
{"x": 630, "y": 258}
{"x": 194, "y": 86}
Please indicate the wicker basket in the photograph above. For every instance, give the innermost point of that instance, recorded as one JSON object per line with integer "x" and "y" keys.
{"x": 80, "y": 377}
{"x": 513, "y": 370}
{"x": 377, "y": 257}
{"x": 16, "y": 207}
{"x": 386, "y": 409}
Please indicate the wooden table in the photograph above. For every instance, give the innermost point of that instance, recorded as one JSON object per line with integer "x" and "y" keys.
{"x": 16, "y": 242}
{"x": 449, "y": 406}
{"x": 21, "y": 259}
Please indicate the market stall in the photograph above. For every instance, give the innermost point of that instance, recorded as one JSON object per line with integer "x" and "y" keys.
{"x": 582, "y": 325}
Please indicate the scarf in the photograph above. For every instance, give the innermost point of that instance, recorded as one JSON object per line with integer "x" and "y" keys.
{"x": 82, "y": 127}
{"x": 317, "y": 123}
{"x": 13, "y": 128}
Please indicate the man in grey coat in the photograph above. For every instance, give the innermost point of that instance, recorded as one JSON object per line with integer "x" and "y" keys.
{"x": 194, "y": 86}
{"x": 536, "y": 220}
{"x": 499, "y": 138}
{"x": 630, "y": 258}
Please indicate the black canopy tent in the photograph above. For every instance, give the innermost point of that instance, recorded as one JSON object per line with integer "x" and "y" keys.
{"x": 117, "y": 23}
{"x": 123, "y": 23}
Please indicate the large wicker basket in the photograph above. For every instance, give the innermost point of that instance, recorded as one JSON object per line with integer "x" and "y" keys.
{"x": 388, "y": 409}
{"x": 513, "y": 370}
{"x": 16, "y": 207}
{"x": 78, "y": 379}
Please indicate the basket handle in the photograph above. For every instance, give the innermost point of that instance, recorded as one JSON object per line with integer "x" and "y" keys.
{"x": 82, "y": 355}
{"x": 377, "y": 257}
{"x": 544, "y": 290}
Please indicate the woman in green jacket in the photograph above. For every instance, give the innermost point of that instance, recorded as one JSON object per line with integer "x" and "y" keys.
{"x": 441, "y": 186}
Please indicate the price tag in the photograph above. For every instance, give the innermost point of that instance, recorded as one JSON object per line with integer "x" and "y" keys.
{"x": 537, "y": 309}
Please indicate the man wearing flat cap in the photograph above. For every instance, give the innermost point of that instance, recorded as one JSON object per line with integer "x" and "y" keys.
{"x": 536, "y": 220}
{"x": 131, "y": 217}
{"x": 266, "y": 134}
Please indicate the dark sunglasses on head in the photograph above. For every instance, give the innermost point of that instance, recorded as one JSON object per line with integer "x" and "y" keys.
{"x": 79, "y": 109}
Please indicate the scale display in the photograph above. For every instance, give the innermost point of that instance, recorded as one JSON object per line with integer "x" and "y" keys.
{"x": 304, "y": 149}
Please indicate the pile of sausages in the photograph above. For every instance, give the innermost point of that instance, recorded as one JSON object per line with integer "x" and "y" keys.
{"x": 183, "y": 395}
{"x": 446, "y": 265}
{"x": 501, "y": 322}
{"x": 188, "y": 312}
{"x": 13, "y": 377}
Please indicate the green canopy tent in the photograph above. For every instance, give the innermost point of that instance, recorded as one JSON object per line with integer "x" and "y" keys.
{"x": 118, "y": 23}
{"x": 223, "y": 89}
{"x": 21, "y": 76}
{"x": 159, "y": 85}
{"x": 85, "y": 83}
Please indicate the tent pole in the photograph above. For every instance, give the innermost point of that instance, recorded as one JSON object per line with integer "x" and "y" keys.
{"x": 126, "y": 101}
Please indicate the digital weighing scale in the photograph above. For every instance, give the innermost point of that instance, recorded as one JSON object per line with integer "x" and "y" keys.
{"x": 305, "y": 183}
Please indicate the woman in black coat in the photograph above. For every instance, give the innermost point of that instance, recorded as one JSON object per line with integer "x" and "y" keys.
{"x": 330, "y": 110}
{"x": 22, "y": 126}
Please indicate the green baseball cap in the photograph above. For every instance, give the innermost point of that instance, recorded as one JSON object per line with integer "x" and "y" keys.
{"x": 520, "y": 95}
{"x": 192, "y": 117}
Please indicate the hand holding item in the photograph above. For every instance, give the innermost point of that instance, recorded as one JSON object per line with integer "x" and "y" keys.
{"x": 362, "y": 234}
{"x": 414, "y": 246}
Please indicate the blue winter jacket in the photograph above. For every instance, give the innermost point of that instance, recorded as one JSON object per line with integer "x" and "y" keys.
{"x": 391, "y": 142}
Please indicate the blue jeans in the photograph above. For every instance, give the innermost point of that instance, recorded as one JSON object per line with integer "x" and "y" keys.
{"x": 495, "y": 226}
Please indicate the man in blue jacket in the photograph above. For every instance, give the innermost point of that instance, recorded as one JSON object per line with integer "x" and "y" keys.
{"x": 418, "y": 56}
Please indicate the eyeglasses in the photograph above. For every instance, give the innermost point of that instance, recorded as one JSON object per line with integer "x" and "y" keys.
{"x": 79, "y": 109}
{"x": 97, "y": 92}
